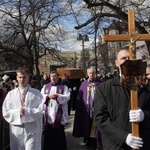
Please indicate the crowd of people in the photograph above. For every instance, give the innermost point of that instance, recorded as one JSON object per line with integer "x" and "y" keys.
{"x": 103, "y": 114}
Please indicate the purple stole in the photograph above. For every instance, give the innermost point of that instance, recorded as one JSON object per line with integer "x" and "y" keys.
{"x": 58, "y": 118}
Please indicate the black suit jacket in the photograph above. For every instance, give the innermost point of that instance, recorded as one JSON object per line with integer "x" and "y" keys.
{"x": 111, "y": 111}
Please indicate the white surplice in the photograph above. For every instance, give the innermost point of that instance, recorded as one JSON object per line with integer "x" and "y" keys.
{"x": 26, "y": 130}
{"x": 53, "y": 105}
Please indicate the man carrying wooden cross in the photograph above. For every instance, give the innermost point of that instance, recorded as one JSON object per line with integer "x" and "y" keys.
{"x": 118, "y": 107}
{"x": 112, "y": 109}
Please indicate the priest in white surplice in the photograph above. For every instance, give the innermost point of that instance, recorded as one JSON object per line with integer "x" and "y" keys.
{"x": 23, "y": 110}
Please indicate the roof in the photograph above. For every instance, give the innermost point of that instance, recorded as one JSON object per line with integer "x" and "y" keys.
{"x": 11, "y": 73}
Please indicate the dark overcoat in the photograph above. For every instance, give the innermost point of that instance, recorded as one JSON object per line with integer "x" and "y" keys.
{"x": 111, "y": 112}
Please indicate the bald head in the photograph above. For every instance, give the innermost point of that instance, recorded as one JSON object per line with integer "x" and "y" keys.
{"x": 122, "y": 56}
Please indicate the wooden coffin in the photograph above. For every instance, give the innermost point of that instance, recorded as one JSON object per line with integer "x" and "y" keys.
{"x": 73, "y": 73}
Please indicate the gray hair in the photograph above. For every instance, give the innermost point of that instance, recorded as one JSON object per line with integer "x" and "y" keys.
{"x": 91, "y": 68}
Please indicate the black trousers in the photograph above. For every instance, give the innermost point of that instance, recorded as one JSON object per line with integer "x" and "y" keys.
{"x": 55, "y": 139}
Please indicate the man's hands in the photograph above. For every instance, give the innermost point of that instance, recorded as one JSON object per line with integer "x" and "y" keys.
{"x": 53, "y": 96}
{"x": 22, "y": 111}
{"x": 50, "y": 96}
{"x": 136, "y": 115}
{"x": 134, "y": 142}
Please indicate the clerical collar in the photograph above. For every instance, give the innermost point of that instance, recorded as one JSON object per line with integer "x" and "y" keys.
{"x": 23, "y": 87}
{"x": 54, "y": 84}
{"x": 23, "y": 90}
{"x": 90, "y": 80}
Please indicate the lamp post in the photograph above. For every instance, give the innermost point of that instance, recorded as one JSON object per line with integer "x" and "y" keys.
{"x": 95, "y": 51}
{"x": 83, "y": 38}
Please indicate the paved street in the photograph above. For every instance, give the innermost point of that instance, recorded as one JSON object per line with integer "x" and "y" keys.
{"x": 72, "y": 142}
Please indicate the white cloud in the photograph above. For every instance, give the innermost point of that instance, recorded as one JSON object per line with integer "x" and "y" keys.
{"x": 72, "y": 44}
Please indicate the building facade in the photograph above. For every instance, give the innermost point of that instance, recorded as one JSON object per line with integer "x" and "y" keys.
{"x": 68, "y": 59}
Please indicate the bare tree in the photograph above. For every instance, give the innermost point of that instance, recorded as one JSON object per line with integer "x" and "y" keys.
{"x": 117, "y": 9}
{"x": 30, "y": 28}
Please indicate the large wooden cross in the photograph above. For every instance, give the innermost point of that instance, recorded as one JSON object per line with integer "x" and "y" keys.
{"x": 132, "y": 37}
